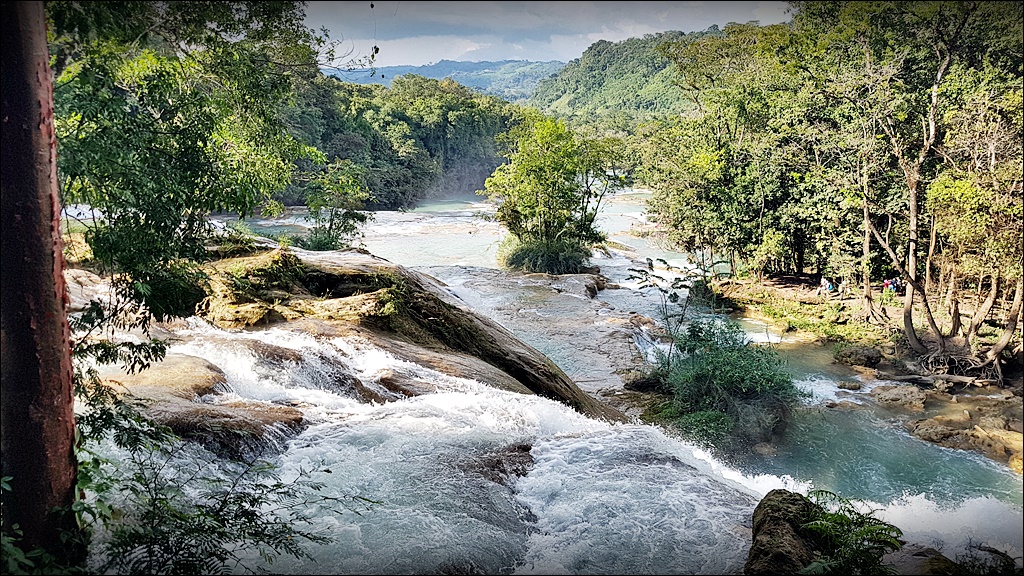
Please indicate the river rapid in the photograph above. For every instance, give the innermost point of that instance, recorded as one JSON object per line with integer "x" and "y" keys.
{"x": 599, "y": 498}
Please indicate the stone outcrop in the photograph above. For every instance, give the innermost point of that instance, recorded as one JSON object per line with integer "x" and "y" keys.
{"x": 400, "y": 310}
{"x": 777, "y": 546}
{"x": 920, "y": 560}
{"x": 905, "y": 397}
{"x": 987, "y": 424}
{"x": 180, "y": 392}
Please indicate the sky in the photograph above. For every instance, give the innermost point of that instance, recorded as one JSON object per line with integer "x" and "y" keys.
{"x": 417, "y": 33}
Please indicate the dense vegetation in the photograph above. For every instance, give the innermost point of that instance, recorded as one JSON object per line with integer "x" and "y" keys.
{"x": 618, "y": 83}
{"x": 511, "y": 80}
{"x": 843, "y": 146}
{"x": 418, "y": 137}
{"x": 837, "y": 144}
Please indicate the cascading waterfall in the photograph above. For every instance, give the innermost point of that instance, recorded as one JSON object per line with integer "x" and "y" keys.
{"x": 596, "y": 497}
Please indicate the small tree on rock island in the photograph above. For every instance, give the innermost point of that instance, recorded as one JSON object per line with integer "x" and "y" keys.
{"x": 549, "y": 193}
{"x": 38, "y": 424}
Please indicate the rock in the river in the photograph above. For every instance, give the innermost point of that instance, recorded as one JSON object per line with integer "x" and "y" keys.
{"x": 777, "y": 546}
{"x": 859, "y": 356}
{"x": 982, "y": 423}
{"x": 174, "y": 393}
{"x": 906, "y": 397}
{"x": 357, "y": 292}
{"x": 920, "y": 560}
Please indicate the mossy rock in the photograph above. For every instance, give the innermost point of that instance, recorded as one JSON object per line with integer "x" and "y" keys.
{"x": 361, "y": 290}
{"x": 859, "y": 356}
{"x": 777, "y": 546}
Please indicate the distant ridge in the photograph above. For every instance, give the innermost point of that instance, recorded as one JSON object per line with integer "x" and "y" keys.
{"x": 629, "y": 77}
{"x": 512, "y": 80}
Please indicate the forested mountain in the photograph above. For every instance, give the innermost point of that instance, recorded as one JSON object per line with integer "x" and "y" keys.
{"x": 512, "y": 80}
{"x": 629, "y": 77}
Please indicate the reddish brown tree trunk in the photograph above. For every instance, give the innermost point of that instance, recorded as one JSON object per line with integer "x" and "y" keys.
{"x": 38, "y": 426}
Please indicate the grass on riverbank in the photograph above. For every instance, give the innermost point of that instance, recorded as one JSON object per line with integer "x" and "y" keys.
{"x": 829, "y": 319}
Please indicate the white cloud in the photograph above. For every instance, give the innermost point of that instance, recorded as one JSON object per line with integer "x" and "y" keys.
{"x": 416, "y": 33}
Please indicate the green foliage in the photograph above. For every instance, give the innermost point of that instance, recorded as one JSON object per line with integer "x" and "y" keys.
{"x": 15, "y": 560}
{"x": 719, "y": 369}
{"x": 164, "y": 113}
{"x": 179, "y": 515}
{"x": 418, "y": 137}
{"x": 392, "y": 297}
{"x": 625, "y": 81}
{"x": 550, "y": 190}
{"x": 723, "y": 388}
{"x": 334, "y": 198}
{"x": 511, "y": 80}
{"x": 852, "y": 540}
{"x": 829, "y": 321}
{"x": 706, "y": 427}
{"x": 557, "y": 257}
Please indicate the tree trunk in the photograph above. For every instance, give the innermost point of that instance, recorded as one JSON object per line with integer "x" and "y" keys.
{"x": 928, "y": 261}
{"x": 1011, "y": 323}
{"x": 911, "y": 272}
{"x": 37, "y": 429}
{"x": 869, "y": 310}
{"x": 981, "y": 312}
{"x": 912, "y": 283}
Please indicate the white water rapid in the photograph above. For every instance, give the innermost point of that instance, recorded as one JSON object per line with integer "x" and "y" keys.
{"x": 597, "y": 498}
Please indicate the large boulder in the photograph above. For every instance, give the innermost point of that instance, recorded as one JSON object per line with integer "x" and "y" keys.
{"x": 983, "y": 423}
{"x": 351, "y": 291}
{"x": 920, "y": 560}
{"x": 777, "y": 546}
{"x": 905, "y": 397}
{"x": 181, "y": 392}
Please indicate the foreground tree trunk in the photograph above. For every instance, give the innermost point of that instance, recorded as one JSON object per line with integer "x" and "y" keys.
{"x": 37, "y": 428}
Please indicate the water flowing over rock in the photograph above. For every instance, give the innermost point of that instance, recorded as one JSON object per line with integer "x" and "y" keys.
{"x": 177, "y": 392}
{"x": 401, "y": 310}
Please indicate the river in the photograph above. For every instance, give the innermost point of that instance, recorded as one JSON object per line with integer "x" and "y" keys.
{"x": 599, "y": 498}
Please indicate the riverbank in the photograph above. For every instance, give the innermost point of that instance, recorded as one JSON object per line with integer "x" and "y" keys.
{"x": 952, "y": 411}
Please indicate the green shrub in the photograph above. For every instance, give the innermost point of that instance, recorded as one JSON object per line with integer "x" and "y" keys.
{"x": 851, "y": 540}
{"x": 715, "y": 369}
{"x": 707, "y": 427}
{"x": 550, "y": 257}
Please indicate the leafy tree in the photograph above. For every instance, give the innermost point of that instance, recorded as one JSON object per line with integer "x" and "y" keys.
{"x": 335, "y": 197}
{"x": 549, "y": 193}
{"x": 909, "y": 84}
{"x": 164, "y": 112}
{"x": 167, "y": 112}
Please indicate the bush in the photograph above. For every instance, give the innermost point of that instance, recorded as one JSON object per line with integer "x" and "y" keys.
{"x": 852, "y": 541}
{"x": 714, "y": 369}
{"x": 554, "y": 257}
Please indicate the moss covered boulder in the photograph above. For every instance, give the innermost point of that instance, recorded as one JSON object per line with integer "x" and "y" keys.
{"x": 400, "y": 310}
{"x": 186, "y": 394}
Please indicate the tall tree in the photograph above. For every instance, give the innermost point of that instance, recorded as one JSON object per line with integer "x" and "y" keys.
{"x": 549, "y": 193}
{"x": 38, "y": 423}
